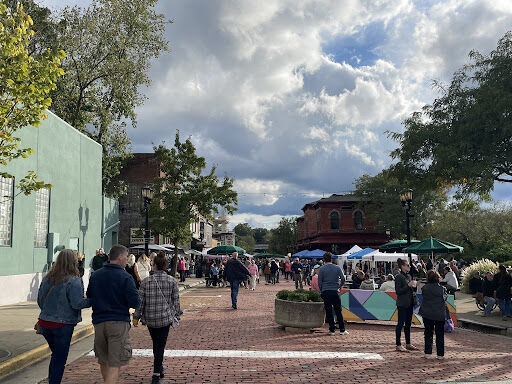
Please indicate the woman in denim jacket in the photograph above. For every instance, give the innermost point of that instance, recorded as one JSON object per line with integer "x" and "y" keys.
{"x": 61, "y": 298}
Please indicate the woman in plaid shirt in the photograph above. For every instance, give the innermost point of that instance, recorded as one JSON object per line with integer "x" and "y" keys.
{"x": 160, "y": 309}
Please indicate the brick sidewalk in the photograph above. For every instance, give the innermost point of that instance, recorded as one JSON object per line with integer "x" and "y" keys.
{"x": 210, "y": 324}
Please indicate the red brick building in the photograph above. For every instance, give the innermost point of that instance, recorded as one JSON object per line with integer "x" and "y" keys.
{"x": 335, "y": 224}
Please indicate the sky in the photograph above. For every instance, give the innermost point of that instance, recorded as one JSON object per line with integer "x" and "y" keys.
{"x": 293, "y": 98}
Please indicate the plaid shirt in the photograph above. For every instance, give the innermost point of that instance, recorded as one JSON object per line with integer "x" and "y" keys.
{"x": 160, "y": 306}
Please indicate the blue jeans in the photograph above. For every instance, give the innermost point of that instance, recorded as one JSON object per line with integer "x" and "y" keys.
{"x": 505, "y": 307}
{"x": 489, "y": 301}
{"x": 234, "y": 291}
{"x": 58, "y": 340}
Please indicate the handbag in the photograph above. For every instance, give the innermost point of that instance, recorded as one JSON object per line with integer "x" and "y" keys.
{"x": 37, "y": 327}
{"x": 175, "y": 319}
{"x": 448, "y": 323}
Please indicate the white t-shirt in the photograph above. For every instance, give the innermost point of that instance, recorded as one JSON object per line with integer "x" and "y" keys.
{"x": 451, "y": 280}
{"x": 388, "y": 286}
{"x": 143, "y": 269}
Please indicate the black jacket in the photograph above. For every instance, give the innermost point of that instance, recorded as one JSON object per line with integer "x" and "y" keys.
{"x": 433, "y": 306}
{"x": 404, "y": 293}
{"x": 475, "y": 285}
{"x": 503, "y": 287}
{"x": 235, "y": 271}
{"x": 273, "y": 267}
{"x": 488, "y": 288}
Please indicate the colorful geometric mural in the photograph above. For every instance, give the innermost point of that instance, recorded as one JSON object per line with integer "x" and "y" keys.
{"x": 360, "y": 305}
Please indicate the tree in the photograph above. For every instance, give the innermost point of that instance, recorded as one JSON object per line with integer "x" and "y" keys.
{"x": 243, "y": 229}
{"x": 244, "y": 237}
{"x": 109, "y": 48}
{"x": 381, "y": 202}
{"x": 260, "y": 235}
{"x": 25, "y": 85}
{"x": 283, "y": 238}
{"x": 464, "y": 137}
{"x": 184, "y": 191}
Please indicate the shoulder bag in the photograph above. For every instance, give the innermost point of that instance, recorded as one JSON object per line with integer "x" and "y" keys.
{"x": 175, "y": 321}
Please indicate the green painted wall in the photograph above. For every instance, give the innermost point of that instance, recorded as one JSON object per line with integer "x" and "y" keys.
{"x": 71, "y": 162}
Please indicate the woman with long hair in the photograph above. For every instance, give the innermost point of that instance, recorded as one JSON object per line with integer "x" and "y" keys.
{"x": 61, "y": 299}
{"x": 131, "y": 268}
{"x": 503, "y": 283}
{"x": 143, "y": 266}
{"x": 160, "y": 309}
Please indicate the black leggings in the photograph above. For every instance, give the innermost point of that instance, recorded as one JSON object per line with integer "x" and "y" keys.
{"x": 430, "y": 325}
{"x": 404, "y": 321}
{"x": 159, "y": 337}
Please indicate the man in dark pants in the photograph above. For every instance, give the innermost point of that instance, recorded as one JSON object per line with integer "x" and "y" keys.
{"x": 235, "y": 272}
{"x": 405, "y": 305}
{"x": 330, "y": 279}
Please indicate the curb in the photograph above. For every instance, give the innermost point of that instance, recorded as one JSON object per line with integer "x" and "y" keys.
{"x": 185, "y": 287}
{"x": 39, "y": 353}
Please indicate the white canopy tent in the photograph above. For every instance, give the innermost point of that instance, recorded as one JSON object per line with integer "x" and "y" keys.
{"x": 389, "y": 257}
{"x": 342, "y": 258}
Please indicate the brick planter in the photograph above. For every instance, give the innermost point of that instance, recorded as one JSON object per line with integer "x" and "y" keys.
{"x": 299, "y": 315}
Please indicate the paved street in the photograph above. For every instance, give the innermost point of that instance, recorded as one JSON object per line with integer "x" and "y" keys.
{"x": 209, "y": 325}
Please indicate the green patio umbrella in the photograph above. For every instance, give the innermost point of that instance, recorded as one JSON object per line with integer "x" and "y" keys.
{"x": 396, "y": 245}
{"x": 269, "y": 255}
{"x": 226, "y": 250}
{"x": 432, "y": 246}
{"x": 193, "y": 252}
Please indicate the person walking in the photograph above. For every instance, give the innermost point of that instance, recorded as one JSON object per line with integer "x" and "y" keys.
{"x": 330, "y": 279}
{"x": 503, "y": 283}
{"x": 81, "y": 263}
{"x": 159, "y": 310}
{"x": 297, "y": 273}
{"x": 61, "y": 299}
{"x": 266, "y": 272}
{"x": 99, "y": 260}
{"x": 273, "y": 271}
{"x": 235, "y": 272}
{"x": 253, "y": 269}
{"x": 433, "y": 310}
{"x": 181, "y": 269}
{"x": 405, "y": 304}
{"x": 143, "y": 267}
{"x": 112, "y": 291}
{"x": 287, "y": 270}
{"x": 131, "y": 268}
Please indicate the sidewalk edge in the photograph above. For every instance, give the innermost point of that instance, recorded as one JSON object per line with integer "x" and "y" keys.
{"x": 39, "y": 353}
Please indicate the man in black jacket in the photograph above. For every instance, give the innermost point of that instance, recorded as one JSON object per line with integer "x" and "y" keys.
{"x": 488, "y": 288}
{"x": 235, "y": 272}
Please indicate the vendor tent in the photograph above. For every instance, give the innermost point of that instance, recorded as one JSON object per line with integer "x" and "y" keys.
{"x": 395, "y": 245}
{"x": 343, "y": 257}
{"x": 359, "y": 254}
{"x": 152, "y": 247}
{"x": 226, "y": 250}
{"x": 299, "y": 254}
{"x": 315, "y": 254}
{"x": 389, "y": 257}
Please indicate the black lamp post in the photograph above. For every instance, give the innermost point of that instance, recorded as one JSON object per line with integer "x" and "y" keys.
{"x": 147, "y": 195}
{"x": 406, "y": 200}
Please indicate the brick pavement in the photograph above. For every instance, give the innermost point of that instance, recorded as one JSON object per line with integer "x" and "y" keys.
{"x": 210, "y": 323}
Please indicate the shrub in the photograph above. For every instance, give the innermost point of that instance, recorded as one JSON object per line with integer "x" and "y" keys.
{"x": 299, "y": 295}
{"x": 483, "y": 266}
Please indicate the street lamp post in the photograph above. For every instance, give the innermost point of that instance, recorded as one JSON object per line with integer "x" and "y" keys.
{"x": 147, "y": 195}
{"x": 406, "y": 200}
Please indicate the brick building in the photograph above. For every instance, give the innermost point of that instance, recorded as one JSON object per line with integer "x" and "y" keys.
{"x": 141, "y": 169}
{"x": 335, "y": 224}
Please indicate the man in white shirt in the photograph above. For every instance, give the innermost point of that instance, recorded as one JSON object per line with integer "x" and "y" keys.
{"x": 388, "y": 285}
{"x": 452, "y": 284}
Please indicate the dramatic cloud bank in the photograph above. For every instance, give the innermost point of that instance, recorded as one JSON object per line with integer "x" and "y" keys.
{"x": 292, "y": 98}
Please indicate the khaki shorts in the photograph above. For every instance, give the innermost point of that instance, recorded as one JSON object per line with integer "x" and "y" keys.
{"x": 112, "y": 344}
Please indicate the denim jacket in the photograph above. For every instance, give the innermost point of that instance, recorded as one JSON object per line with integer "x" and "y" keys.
{"x": 65, "y": 301}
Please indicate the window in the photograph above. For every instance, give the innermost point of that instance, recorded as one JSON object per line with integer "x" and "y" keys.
{"x": 334, "y": 218}
{"x": 318, "y": 221}
{"x": 358, "y": 220}
{"x": 42, "y": 217}
{"x": 6, "y": 203}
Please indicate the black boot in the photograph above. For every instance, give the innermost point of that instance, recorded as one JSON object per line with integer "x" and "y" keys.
{"x": 155, "y": 379}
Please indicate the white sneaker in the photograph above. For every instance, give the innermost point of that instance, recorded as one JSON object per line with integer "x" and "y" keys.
{"x": 428, "y": 356}
{"x": 440, "y": 357}
{"x": 332, "y": 333}
{"x": 344, "y": 333}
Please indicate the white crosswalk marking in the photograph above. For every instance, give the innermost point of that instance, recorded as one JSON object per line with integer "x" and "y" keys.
{"x": 258, "y": 354}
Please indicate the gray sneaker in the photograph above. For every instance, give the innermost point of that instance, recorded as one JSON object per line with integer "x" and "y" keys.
{"x": 332, "y": 333}
{"x": 343, "y": 333}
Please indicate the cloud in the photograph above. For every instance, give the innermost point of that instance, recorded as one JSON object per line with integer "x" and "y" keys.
{"x": 257, "y": 220}
{"x": 293, "y": 98}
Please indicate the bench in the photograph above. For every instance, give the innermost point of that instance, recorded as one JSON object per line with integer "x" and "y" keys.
{"x": 481, "y": 326}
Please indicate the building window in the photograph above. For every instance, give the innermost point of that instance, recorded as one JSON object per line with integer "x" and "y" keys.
{"x": 42, "y": 217}
{"x": 358, "y": 220}
{"x": 6, "y": 205}
{"x": 318, "y": 221}
{"x": 334, "y": 218}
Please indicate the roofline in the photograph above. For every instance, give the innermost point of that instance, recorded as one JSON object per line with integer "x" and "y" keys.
{"x": 70, "y": 126}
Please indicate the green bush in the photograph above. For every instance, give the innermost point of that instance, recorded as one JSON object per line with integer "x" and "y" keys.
{"x": 483, "y": 266}
{"x": 299, "y": 295}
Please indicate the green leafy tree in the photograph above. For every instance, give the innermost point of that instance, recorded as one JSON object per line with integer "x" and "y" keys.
{"x": 283, "y": 239}
{"x": 110, "y": 46}
{"x": 244, "y": 237}
{"x": 243, "y": 229}
{"x": 25, "y": 85}
{"x": 463, "y": 138}
{"x": 185, "y": 191}
{"x": 260, "y": 235}
{"x": 381, "y": 202}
